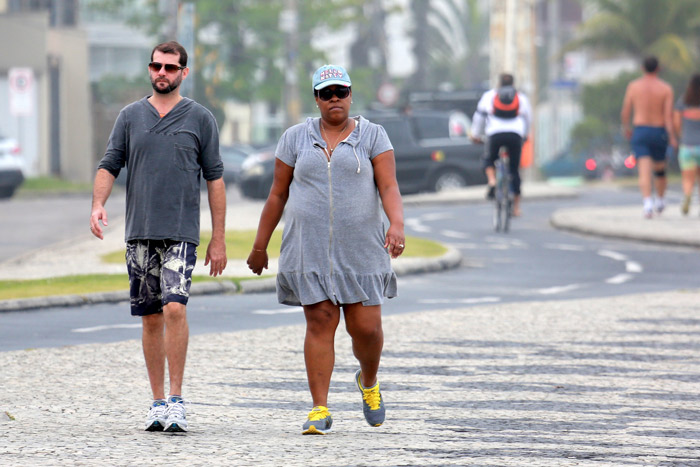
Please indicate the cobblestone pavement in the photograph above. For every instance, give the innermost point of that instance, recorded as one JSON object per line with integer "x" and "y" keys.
{"x": 611, "y": 381}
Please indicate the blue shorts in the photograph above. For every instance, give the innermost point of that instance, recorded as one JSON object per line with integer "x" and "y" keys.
{"x": 649, "y": 141}
{"x": 160, "y": 272}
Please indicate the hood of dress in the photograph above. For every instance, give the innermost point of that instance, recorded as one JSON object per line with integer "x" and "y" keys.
{"x": 313, "y": 126}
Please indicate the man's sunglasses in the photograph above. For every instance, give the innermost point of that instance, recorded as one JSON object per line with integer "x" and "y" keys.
{"x": 169, "y": 67}
{"x": 326, "y": 94}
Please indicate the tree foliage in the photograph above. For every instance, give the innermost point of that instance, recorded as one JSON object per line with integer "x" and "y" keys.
{"x": 636, "y": 28}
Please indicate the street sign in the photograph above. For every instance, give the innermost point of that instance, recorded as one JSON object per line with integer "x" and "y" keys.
{"x": 21, "y": 81}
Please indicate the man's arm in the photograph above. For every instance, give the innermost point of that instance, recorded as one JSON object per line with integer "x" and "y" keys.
{"x": 104, "y": 181}
{"x": 216, "y": 251}
{"x": 626, "y": 112}
{"x": 479, "y": 120}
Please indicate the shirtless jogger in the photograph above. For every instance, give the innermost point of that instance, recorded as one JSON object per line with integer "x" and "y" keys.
{"x": 651, "y": 100}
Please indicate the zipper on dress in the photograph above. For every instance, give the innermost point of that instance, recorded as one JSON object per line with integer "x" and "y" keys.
{"x": 330, "y": 216}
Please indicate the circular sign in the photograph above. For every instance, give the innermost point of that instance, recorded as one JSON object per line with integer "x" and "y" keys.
{"x": 388, "y": 94}
{"x": 21, "y": 79}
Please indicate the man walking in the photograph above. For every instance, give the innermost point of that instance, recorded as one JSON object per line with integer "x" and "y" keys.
{"x": 166, "y": 141}
{"x": 503, "y": 115}
{"x": 650, "y": 99}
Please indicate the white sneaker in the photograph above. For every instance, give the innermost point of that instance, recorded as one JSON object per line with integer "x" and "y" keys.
{"x": 155, "y": 421}
{"x": 176, "y": 420}
{"x": 659, "y": 205}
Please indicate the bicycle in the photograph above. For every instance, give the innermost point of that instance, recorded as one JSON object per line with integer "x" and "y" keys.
{"x": 503, "y": 193}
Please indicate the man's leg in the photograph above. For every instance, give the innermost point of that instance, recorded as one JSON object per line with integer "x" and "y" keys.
{"x": 177, "y": 334}
{"x": 514, "y": 154}
{"x": 319, "y": 348}
{"x": 490, "y": 156}
{"x": 660, "y": 181}
{"x": 644, "y": 168}
{"x": 154, "y": 352}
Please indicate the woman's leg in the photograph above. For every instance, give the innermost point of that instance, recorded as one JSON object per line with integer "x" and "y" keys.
{"x": 319, "y": 348}
{"x": 364, "y": 324}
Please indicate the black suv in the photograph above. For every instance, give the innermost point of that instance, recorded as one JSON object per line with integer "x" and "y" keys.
{"x": 432, "y": 151}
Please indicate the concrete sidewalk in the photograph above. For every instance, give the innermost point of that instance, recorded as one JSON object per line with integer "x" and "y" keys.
{"x": 613, "y": 381}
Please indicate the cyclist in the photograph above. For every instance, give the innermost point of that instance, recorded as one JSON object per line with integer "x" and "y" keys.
{"x": 503, "y": 116}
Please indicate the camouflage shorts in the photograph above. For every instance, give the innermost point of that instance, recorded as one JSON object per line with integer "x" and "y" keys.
{"x": 160, "y": 272}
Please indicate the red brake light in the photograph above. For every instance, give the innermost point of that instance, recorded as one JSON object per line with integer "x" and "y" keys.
{"x": 630, "y": 162}
{"x": 591, "y": 164}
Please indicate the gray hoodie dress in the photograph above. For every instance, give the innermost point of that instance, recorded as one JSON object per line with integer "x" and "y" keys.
{"x": 333, "y": 240}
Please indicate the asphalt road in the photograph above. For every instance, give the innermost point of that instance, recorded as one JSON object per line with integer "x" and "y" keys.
{"x": 532, "y": 262}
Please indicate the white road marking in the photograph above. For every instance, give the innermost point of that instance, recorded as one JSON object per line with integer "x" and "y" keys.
{"x": 278, "y": 311}
{"x": 558, "y": 289}
{"x": 565, "y": 247}
{"x": 633, "y": 266}
{"x": 454, "y": 234}
{"x": 613, "y": 255}
{"x": 460, "y": 300}
{"x": 107, "y": 326}
{"x": 619, "y": 279}
{"x": 416, "y": 225}
{"x": 435, "y": 216}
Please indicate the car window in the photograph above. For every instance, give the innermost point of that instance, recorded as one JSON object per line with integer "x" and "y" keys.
{"x": 397, "y": 130}
{"x": 431, "y": 126}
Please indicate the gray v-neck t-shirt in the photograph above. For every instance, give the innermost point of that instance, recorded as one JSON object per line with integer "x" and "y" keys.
{"x": 333, "y": 240}
{"x": 165, "y": 159}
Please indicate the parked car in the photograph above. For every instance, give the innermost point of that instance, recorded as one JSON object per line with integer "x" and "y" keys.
{"x": 614, "y": 163}
{"x": 432, "y": 151}
{"x": 11, "y": 167}
{"x": 233, "y": 157}
{"x": 256, "y": 173}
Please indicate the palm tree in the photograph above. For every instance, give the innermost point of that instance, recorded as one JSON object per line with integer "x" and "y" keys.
{"x": 449, "y": 36}
{"x": 668, "y": 29}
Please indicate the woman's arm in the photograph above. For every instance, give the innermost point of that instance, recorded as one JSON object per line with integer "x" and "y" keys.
{"x": 271, "y": 215}
{"x": 385, "y": 177}
{"x": 677, "y": 124}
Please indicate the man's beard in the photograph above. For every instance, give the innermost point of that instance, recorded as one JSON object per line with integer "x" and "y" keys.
{"x": 171, "y": 86}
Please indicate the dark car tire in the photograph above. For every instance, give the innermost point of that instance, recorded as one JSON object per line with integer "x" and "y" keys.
{"x": 449, "y": 179}
{"x": 7, "y": 191}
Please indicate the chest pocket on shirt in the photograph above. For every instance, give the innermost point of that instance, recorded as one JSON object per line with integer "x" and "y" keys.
{"x": 186, "y": 157}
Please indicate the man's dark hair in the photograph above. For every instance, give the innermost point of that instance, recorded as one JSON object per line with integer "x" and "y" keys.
{"x": 506, "y": 79}
{"x": 171, "y": 47}
{"x": 651, "y": 64}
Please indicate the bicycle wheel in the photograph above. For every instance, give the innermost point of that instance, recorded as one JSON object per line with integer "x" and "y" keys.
{"x": 506, "y": 212}
{"x": 500, "y": 213}
{"x": 497, "y": 216}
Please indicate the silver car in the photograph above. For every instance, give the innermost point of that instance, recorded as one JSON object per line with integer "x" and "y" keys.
{"x": 11, "y": 167}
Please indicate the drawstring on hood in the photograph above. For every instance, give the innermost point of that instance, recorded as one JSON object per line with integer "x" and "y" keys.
{"x": 358, "y": 159}
{"x": 352, "y": 139}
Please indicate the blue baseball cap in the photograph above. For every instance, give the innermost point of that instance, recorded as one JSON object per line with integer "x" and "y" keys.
{"x": 329, "y": 75}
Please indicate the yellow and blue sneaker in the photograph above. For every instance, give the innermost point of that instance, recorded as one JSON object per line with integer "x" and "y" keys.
{"x": 372, "y": 402}
{"x": 319, "y": 421}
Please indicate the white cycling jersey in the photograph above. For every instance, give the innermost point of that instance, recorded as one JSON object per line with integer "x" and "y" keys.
{"x": 486, "y": 123}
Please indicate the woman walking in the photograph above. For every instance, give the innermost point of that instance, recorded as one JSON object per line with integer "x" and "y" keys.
{"x": 334, "y": 174}
{"x": 686, "y": 123}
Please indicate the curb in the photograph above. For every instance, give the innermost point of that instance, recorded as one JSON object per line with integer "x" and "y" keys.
{"x": 450, "y": 260}
{"x": 675, "y": 231}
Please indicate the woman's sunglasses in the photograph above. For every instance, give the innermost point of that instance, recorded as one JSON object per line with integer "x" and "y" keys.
{"x": 170, "y": 68}
{"x": 326, "y": 94}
